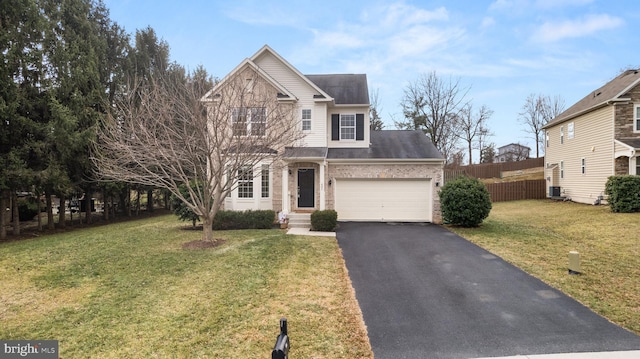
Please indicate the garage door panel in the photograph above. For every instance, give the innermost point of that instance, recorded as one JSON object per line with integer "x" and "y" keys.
{"x": 383, "y": 199}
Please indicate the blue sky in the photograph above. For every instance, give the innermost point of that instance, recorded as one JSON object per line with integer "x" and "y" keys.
{"x": 503, "y": 50}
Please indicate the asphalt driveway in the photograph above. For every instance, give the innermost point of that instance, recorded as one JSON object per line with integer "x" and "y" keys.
{"x": 428, "y": 293}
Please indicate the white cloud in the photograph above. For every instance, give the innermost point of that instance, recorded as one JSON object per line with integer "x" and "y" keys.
{"x": 547, "y": 4}
{"x": 487, "y": 22}
{"x": 550, "y": 32}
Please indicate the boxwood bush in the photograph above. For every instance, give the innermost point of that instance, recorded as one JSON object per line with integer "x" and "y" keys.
{"x": 261, "y": 219}
{"x": 623, "y": 193}
{"x": 27, "y": 208}
{"x": 324, "y": 221}
{"x": 465, "y": 202}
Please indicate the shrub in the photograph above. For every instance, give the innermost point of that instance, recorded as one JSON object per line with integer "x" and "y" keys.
{"x": 27, "y": 208}
{"x": 324, "y": 221}
{"x": 261, "y": 219}
{"x": 465, "y": 202}
{"x": 180, "y": 209}
{"x": 623, "y": 193}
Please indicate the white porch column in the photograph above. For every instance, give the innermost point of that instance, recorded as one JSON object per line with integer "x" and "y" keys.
{"x": 322, "y": 191}
{"x": 285, "y": 188}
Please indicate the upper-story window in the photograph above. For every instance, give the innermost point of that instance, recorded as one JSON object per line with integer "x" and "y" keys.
{"x": 249, "y": 121}
{"x": 636, "y": 118}
{"x": 348, "y": 127}
{"x": 306, "y": 120}
{"x": 570, "y": 131}
{"x": 546, "y": 138}
{"x": 561, "y": 134}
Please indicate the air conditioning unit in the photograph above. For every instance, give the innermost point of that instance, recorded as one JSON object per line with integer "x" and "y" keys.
{"x": 554, "y": 191}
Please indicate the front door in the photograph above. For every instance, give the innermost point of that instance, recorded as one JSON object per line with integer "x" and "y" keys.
{"x": 306, "y": 190}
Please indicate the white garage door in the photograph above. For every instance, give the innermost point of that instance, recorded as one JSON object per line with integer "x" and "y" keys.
{"x": 406, "y": 200}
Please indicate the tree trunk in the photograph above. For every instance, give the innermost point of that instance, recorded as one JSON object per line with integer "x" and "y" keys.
{"x": 62, "y": 212}
{"x": 150, "y": 200}
{"x": 87, "y": 206}
{"x": 207, "y": 229}
{"x": 16, "y": 214}
{"x": 3, "y": 215}
{"x": 137, "y": 202}
{"x": 39, "y": 211}
{"x": 50, "y": 221}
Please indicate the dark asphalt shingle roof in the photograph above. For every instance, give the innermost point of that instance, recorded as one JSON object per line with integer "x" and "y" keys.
{"x": 391, "y": 144}
{"x": 305, "y": 152}
{"x": 344, "y": 88}
{"x": 612, "y": 90}
{"x": 633, "y": 142}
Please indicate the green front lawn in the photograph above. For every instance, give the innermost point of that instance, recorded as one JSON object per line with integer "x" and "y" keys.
{"x": 130, "y": 290}
{"x": 538, "y": 235}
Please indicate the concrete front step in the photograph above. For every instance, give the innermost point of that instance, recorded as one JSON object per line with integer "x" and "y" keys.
{"x": 299, "y": 220}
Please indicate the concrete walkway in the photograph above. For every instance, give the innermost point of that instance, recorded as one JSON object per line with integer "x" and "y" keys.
{"x": 425, "y": 292}
{"x": 309, "y": 232}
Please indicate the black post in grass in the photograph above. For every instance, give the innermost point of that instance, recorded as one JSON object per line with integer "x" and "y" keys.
{"x": 281, "y": 349}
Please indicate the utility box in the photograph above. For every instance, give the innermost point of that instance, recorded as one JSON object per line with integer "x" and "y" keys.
{"x": 554, "y": 191}
{"x": 574, "y": 263}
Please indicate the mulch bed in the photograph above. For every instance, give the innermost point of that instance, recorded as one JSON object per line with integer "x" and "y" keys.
{"x": 202, "y": 244}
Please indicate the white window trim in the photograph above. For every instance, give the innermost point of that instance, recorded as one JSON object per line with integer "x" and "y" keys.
{"x": 347, "y": 127}
{"x": 561, "y": 135}
{"x": 244, "y": 181}
{"x": 306, "y": 120}
{"x": 636, "y": 118}
{"x": 561, "y": 169}
{"x": 249, "y": 111}
{"x": 546, "y": 138}
{"x": 265, "y": 167}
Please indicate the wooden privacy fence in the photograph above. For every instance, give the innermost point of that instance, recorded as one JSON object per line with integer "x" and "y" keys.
{"x": 514, "y": 191}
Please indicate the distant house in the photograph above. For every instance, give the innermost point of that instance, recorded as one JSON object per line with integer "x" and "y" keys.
{"x": 597, "y": 137}
{"x": 340, "y": 164}
{"x": 512, "y": 152}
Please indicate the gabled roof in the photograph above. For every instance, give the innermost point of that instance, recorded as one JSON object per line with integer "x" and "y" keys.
{"x": 615, "y": 90}
{"x": 346, "y": 89}
{"x": 391, "y": 145}
{"x": 283, "y": 93}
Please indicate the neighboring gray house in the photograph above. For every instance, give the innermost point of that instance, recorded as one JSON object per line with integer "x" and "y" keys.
{"x": 512, "y": 152}
{"x": 364, "y": 175}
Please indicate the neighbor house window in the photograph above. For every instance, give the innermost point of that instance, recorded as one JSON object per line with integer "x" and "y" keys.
{"x": 561, "y": 134}
{"x": 561, "y": 169}
{"x": 249, "y": 121}
{"x": 570, "y": 132}
{"x": 347, "y": 127}
{"x": 637, "y": 159}
{"x": 306, "y": 120}
{"x": 636, "y": 118}
{"x": 583, "y": 166}
{"x": 546, "y": 138}
{"x": 265, "y": 181}
{"x": 245, "y": 182}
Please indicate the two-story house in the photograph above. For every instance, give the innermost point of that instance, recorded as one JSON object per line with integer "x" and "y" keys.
{"x": 597, "y": 137}
{"x": 340, "y": 163}
{"x": 512, "y": 152}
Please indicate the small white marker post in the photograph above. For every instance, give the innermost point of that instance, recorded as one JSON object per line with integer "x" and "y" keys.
{"x": 574, "y": 263}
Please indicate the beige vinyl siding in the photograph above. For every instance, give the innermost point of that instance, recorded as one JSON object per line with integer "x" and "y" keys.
{"x": 304, "y": 92}
{"x": 593, "y": 141}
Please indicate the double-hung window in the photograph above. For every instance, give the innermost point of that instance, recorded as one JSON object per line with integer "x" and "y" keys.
{"x": 249, "y": 121}
{"x": 561, "y": 134}
{"x": 306, "y": 120}
{"x": 583, "y": 165}
{"x": 245, "y": 182}
{"x": 636, "y": 118}
{"x": 561, "y": 169}
{"x": 347, "y": 127}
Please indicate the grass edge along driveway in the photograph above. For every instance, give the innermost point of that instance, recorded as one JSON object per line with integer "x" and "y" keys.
{"x": 129, "y": 290}
{"x": 537, "y": 235}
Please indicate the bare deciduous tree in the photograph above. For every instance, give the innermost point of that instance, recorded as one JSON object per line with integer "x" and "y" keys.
{"x": 473, "y": 127}
{"x": 375, "y": 123}
{"x": 165, "y": 135}
{"x": 433, "y": 105}
{"x": 537, "y": 111}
